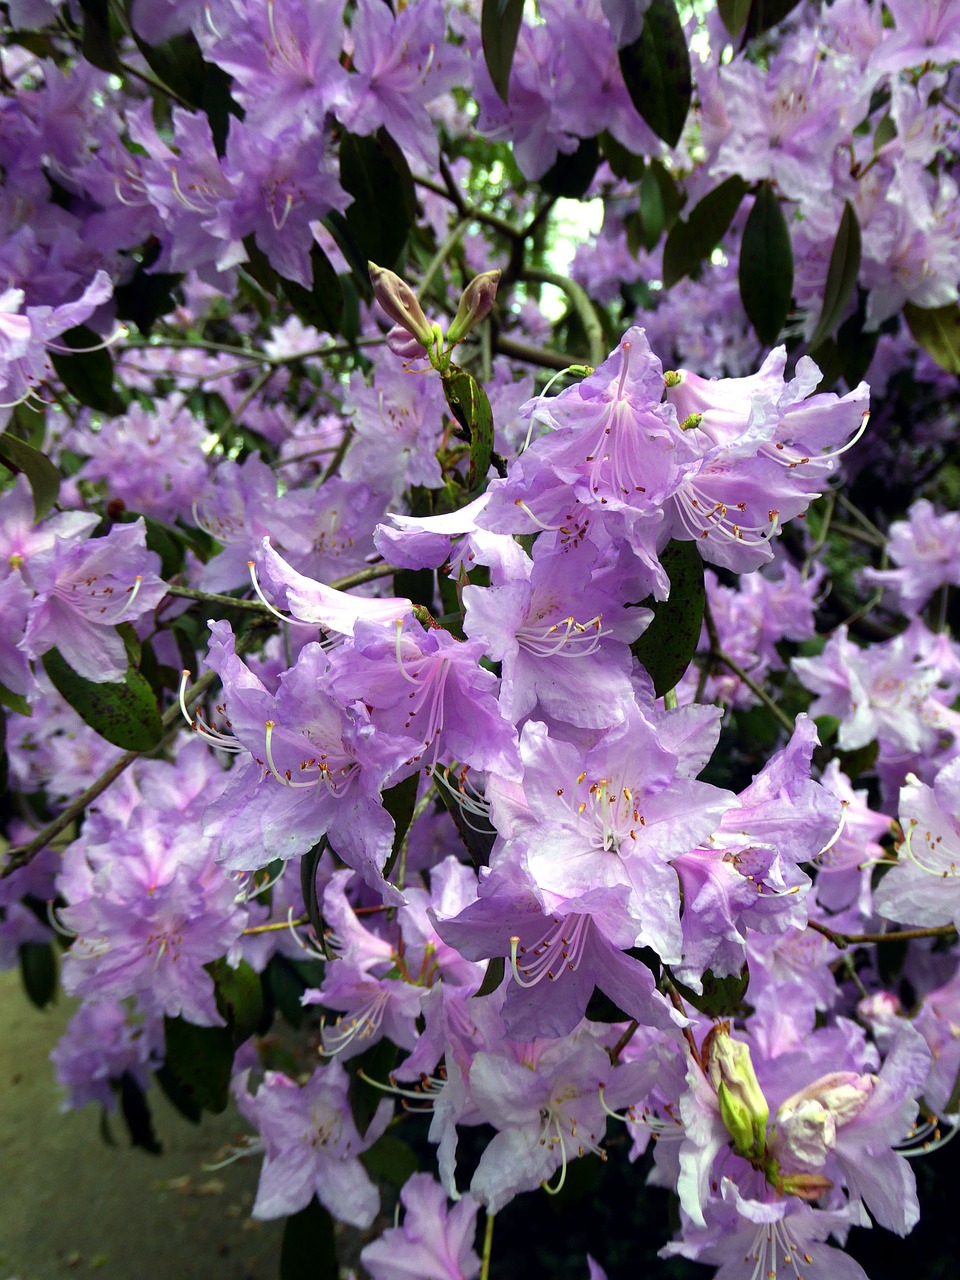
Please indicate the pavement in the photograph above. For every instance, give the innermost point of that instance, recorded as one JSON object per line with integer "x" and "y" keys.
{"x": 71, "y": 1206}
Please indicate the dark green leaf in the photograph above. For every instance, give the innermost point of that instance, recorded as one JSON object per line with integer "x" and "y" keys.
{"x": 656, "y": 71}
{"x": 322, "y": 304}
{"x": 690, "y": 241}
{"x": 124, "y": 714}
{"x": 399, "y": 802}
{"x": 178, "y": 63}
{"x": 734, "y": 14}
{"x": 308, "y": 887}
{"x": 721, "y": 997}
{"x": 378, "y": 178}
{"x": 97, "y": 45}
{"x": 136, "y": 1115}
{"x": 765, "y": 14}
{"x": 285, "y": 988}
{"x": 600, "y": 1008}
{"x": 652, "y": 215}
{"x": 164, "y": 539}
{"x": 38, "y": 969}
{"x": 499, "y": 29}
{"x": 147, "y": 295}
{"x": 43, "y": 477}
{"x": 570, "y": 175}
{"x": 88, "y": 375}
{"x": 670, "y": 196}
{"x": 937, "y": 329}
{"x": 668, "y": 644}
{"x": 469, "y": 405}
{"x": 841, "y": 276}
{"x": 622, "y": 162}
{"x": 390, "y": 1160}
{"x": 200, "y": 1059}
{"x": 766, "y": 266}
{"x": 477, "y": 834}
{"x": 16, "y": 702}
{"x": 493, "y": 977}
{"x": 337, "y": 225}
{"x": 239, "y": 998}
{"x": 309, "y": 1249}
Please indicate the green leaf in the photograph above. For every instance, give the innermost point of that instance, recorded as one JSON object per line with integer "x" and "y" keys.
{"x": 651, "y": 210}
{"x": 499, "y": 29}
{"x": 376, "y": 1062}
{"x": 570, "y": 175}
{"x": 336, "y": 224}
{"x": 124, "y": 714}
{"x": 200, "y": 1059}
{"x": 390, "y": 1160}
{"x": 400, "y": 802}
{"x": 16, "y": 702}
{"x": 721, "y": 997}
{"x": 469, "y": 405}
{"x": 285, "y": 989}
{"x": 668, "y": 644}
{"x": 734, "y": 15}
{"x": 690, "y": 241}
{"x": 656, "y": 71}
{"x": 88, "y": 375}
{"x": 374, "y": 171}
{"x": 492, "y": 978}
{"x": 937, "y": 329}
{"x": 136, "y": 1115}
{"x": 309, "y": 1248}
{"x": 147, "y": 295}
{"x": 766, "y": 266}
{"x": 97, "y": 43}
{"x": 38, "y": 969}
{"x": 322, "y": 304}
{"x": 42, "y": 475}
{"x": 308, "y": 886}
{"x": 765, "y": 14}
{"x": 239, "y": 995}
{"x": 841, "y": 276}
{"x": 623, "y": 163}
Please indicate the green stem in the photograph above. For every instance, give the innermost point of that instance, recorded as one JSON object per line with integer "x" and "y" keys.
{"x": 212, "y": 597}
{"x": 581, "y": 305}
{"x": 440, "y": 257}
{"x": 487, "y": 1247}
{"x": 843, "y": 940}
{"x": 757, "y": 690}
{"x": 541, "y": 356}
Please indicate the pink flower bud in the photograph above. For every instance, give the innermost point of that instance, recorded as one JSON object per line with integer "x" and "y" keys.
{"x": 475, "y": 303}
{"x": 404, "y": 344}
{"x": 400, "y": 303}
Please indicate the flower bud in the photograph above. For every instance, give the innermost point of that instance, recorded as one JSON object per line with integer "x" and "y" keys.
{"x": 400, "y": 303}
{"x": 475, "y": 303}
{"x": 743, "y": 1108}
{"x": 808, "y": 1186}
{"x": 404, "y": 344}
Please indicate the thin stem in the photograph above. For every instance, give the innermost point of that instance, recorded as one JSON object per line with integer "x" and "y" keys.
{"x": 757, "y": 690}
{"x": 276, "y": 926}
{"x": 843, "y": 940}
{"x": 541, "y": 356}
{"x": 468, "y": 211}
{"x": 581, "y": 305}
{"x": 440, "y": 257}
{"x": 212, "y": 597}
{"x": 234, "y": 415}
{"x": 258, "y": 357}
{"x": 487, "y": 1247}
{"x": 618, "y": 1048}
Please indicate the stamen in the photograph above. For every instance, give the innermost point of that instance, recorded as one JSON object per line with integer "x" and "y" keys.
{"x": 294, "y": 622}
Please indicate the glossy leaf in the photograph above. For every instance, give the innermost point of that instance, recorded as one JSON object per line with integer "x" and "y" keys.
{"x": 87, "y": 375}
{"x": 652, "y": 215}
{"x": 693, "y": 240}
{"x": 377, "y": 176}
{"x": 38, "y": 970}
{"x": 322, "y": 304}
{"x": 937, "y": 329}
{"x": 201, "y": 1061}
{"x": 309, "y": 1248}
{"x": 493, "y": 977}
{"x": 42, "y": 476}
{"x": 499, "y": 28}
{"x": 124, "y": 714}
{"x": 765, "y": 14}
{"x": 667, "y": 646}
{"x": 400, "y": 802}
{"x": 734, "y": 15}
{"x": 720, "y": 997}
{"x": 239, "y": 996}
{"x": 766, "y": 266}
{"x": 469, "y": 405}
{"x": 656, "y": 71}
{"x": 136, "y": 1115}
{"x": 841, "y": 276}
{"x": 97, "y": 41}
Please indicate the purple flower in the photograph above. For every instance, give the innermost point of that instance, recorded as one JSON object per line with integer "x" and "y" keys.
{"x": 926, "y": 546}
{"x": 83, "y": 590}
{"x": 434, "y": 1242}
{"x": 312, "y": 1146}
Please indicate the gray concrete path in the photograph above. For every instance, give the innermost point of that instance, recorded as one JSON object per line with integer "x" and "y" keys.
{"x": 72, "y": 1207}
